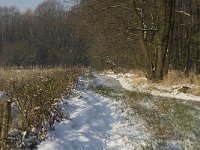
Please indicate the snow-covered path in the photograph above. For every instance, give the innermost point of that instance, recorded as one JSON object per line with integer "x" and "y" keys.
{"x": 95, "y": 123}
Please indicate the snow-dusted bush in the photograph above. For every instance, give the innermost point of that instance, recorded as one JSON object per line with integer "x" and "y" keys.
{"x": 35, "y": 96}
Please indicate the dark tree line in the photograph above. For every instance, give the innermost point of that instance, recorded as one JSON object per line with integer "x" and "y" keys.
{"x": 40, "y": 37}
{"x": 186, "y": 55}
{"x": 142, "y": 34}
{"x": 152, "y": 35}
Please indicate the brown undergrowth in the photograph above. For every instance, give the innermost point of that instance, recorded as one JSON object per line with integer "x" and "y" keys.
{"x": 174, "y": 79}
{"x": 33, "y": 99}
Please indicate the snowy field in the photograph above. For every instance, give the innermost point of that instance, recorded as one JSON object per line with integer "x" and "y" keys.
{"x": 126, "y": 80}
{"x": 97, "y": 122}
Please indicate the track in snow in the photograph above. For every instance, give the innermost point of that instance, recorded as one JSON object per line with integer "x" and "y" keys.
{"x": 95, "y": 123}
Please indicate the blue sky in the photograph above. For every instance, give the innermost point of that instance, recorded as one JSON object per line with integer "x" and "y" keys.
{"x": 21, "y": 4}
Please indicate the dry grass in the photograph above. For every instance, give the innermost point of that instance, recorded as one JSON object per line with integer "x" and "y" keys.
{"x": 197, "y": 88}
{"x": 168, "y": 120}
{"x": 178, "y": 78}
{"x": 174, "y": 78}
{"x": 139, "y": 78}
{"x": 138, "y": 81}
{"x": 36, "y": 93}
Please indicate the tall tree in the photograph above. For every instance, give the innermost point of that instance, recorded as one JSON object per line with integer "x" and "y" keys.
{"x": 156, "y": 37}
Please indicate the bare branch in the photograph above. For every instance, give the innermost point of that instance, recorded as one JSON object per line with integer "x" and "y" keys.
{"x": 141, "y": 29}
{"x": 116, "y": 6}
{"x": 186, "y": 24}
{"x": 182, "y": 12}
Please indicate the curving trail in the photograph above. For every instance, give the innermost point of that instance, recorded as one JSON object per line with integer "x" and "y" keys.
{"x": 95, "y": 123}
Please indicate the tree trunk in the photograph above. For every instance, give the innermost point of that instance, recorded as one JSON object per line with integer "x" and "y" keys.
{"x": 163, "y": 38}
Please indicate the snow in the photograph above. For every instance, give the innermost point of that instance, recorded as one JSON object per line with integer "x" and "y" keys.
{"x": 126, "y": 80}
{"x": 95, "y": 123}
{"x": 3, "y": 96}
{"x": 175, "y": 94}
{"x": 98, "y": 81}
